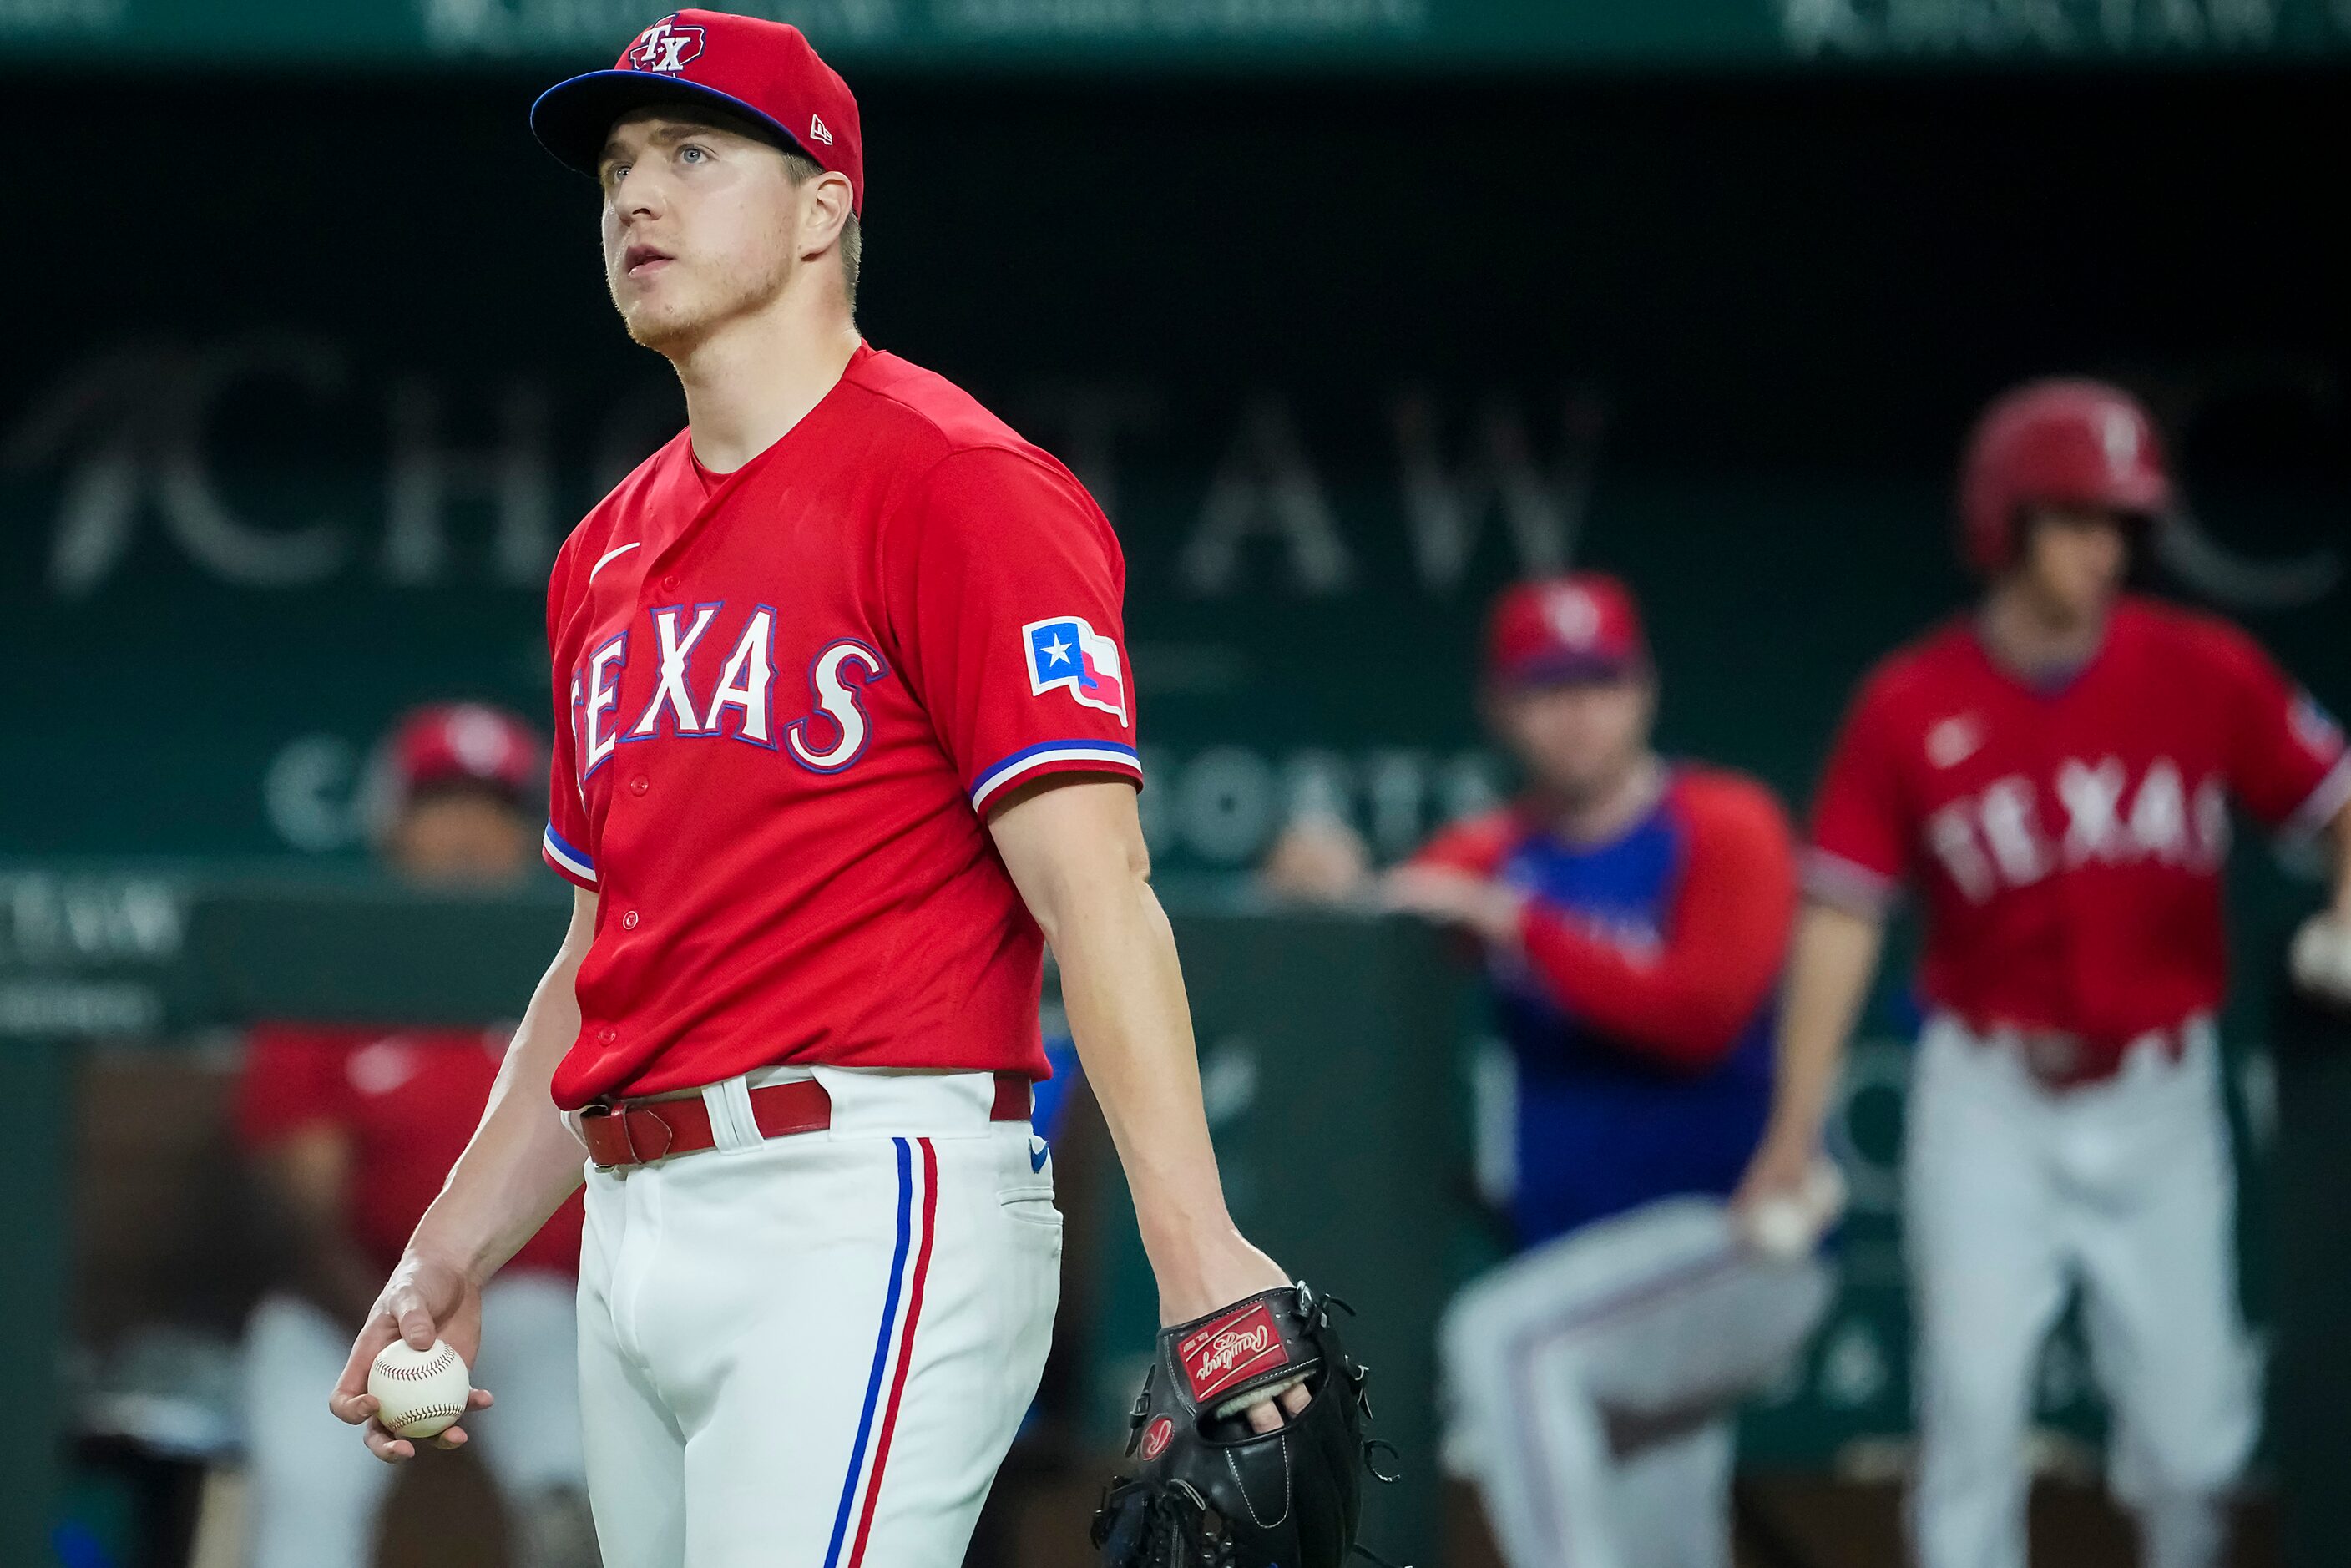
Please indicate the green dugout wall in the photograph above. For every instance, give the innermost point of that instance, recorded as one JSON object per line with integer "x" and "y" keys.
{"x": 1332, "y": 1055}
{"x": 1328, "y": 1044}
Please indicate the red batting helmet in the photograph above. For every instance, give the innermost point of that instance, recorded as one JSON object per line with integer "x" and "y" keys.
{"x": 2056, "y": 443}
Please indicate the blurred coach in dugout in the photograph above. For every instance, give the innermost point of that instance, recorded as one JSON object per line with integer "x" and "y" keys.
{"x": 1634, "y": 912}
{"x": 2053, "y": 770}
{"x": 351, "y": 1131}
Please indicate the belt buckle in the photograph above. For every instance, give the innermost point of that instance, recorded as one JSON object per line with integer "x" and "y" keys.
{"x": 2053, "y": 1057}
{"x": 621, "y": 1115}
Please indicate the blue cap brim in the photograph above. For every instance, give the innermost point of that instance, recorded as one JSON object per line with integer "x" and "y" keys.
{"x": 574, "y": 119}
{"x": 1564, "y": 669}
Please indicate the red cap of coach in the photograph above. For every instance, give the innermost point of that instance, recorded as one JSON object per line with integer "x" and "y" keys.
{"x": 767, "y": 70}
{"x": 466, "y": 743}
{"x": 1581, "y": 626}
{"x": 2066, "y": 442}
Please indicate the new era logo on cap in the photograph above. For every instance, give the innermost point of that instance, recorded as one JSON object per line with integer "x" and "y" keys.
{"x": 816, "y": 130}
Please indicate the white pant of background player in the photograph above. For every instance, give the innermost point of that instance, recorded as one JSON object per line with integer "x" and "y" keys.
{"x": 313, "y": 1494}
{"x": 2013, "y": 1194}
{"x": 1590, "y": 1384}
{"x": 815, "y": 1350}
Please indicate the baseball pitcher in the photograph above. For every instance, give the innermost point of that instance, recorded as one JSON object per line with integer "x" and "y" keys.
{"x": 1634, "y": 914}
{"x": 845, "y": 735}
{"x": 2054, "y": 773}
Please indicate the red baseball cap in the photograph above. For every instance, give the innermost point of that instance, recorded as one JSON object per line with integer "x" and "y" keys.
{"x": 767, "y": 70}
{"x": 1583, "y": 625}
{"x": 464, "y": 743}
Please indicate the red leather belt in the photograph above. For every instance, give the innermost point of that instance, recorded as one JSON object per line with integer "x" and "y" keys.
{"x": 2059, "y": 1060}
{"x": 639, "y": 1132}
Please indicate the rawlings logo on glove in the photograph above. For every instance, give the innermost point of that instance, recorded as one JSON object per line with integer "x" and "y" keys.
{"x": 1238, "y": 1345}
{"x": 1211, "y": 1492}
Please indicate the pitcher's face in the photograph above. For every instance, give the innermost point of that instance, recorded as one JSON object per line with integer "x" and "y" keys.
{"x": 698, "y": 227}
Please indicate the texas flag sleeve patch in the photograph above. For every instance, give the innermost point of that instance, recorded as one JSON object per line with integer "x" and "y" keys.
{"x": 1010, "y": 596}
{"x": 1066, "y": 654}
{"x": 1069, "y": 666}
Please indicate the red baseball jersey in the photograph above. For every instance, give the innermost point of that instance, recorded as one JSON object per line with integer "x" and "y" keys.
{"x": 408, "y": 1099}
{"x": 785, "y": 697}
{"x": 2070, "y": 838}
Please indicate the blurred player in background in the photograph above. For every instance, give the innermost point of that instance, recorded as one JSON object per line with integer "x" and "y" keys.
{"x": 1634, "y": 912}
{"x": 350, "y": 1132}
{"x": 2055, "y": 770}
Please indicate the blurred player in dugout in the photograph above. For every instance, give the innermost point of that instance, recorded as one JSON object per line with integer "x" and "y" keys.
{"x": 1634, "y": 912}
{"x": 2052, "y": 771}
{"x": 350, "y": 1130}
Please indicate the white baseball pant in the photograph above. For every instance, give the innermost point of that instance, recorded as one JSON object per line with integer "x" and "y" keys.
{"x": 2014, "y": 1194}
{"x": 1589, "y": 1384}
{"x": 314, "y": 1491}
{"x": 815, "y": 1350}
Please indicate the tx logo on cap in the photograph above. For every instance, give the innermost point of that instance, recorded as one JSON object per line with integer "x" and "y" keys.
{"x": 2118, "y": 434}
{"x": 665, "y": 46}
{"x": 816, "y": 129}
{"x": 1574, "y": 618}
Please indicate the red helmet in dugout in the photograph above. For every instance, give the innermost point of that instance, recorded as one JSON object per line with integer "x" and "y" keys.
{"x": 2067, "y": 443}
{"x": 1578, "y": 625}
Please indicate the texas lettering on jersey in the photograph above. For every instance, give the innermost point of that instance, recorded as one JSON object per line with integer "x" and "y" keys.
{"x": 2069, "y": 839}
{"x": 1999, "y": 836}
{"x": 788, "y": 698}
{"x": 739, "y": 703}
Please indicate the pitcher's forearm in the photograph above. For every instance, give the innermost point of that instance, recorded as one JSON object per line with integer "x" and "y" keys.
{"x": 1124, "y": 990}
{"x": 1075, "y": 850}
{"x": 522, "y": 1161}
{"x": 521, "y": 1165}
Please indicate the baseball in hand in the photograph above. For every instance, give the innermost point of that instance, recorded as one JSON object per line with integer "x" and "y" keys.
{"x": 1788, "y": 1225}
{"x": 2321, "y": 959}
{"x": 418, "y": 1393}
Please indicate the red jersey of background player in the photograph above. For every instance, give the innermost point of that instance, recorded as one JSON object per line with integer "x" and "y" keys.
{"x": 408, "y": 1099}
{"x": 784, "y": 696}
{"x": 2071, "y": 837}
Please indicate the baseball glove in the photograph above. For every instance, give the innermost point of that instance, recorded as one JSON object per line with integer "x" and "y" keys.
{"x": 1207, "y": 1491}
